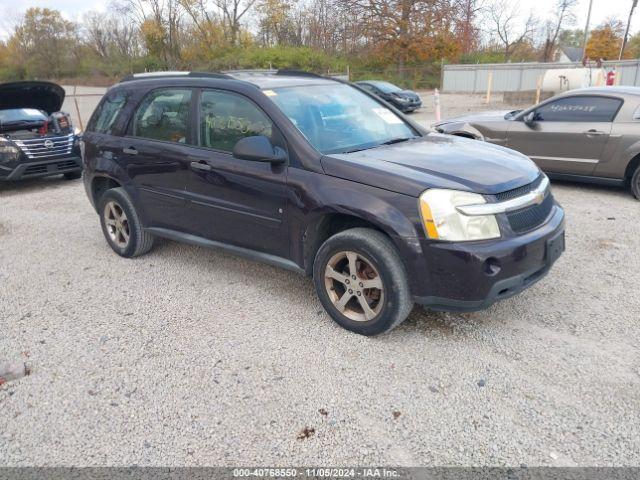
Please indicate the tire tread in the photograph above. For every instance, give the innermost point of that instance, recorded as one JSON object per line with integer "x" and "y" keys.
{"x": 386, "y": 255}
{"x": 143, "y": 239}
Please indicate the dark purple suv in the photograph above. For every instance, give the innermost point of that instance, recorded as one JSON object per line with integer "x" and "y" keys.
{"x": 320, "y": 177}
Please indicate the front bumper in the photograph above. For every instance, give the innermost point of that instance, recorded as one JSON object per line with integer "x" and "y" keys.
{"x": 472, "y": 276}
{"x": 409, "y": 107}
{"x": 41, "y": 168}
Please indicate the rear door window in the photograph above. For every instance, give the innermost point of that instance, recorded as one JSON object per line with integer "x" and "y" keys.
{"x": 579, "y": 109}
{"x": 227, "y": 117}
{"x": 164, "y": 115}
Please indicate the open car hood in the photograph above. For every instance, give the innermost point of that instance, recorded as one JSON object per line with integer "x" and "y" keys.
{"x": 44, "y": 96}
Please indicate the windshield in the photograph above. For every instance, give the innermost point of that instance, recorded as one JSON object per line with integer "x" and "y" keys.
{"x": 386, "y": 87}
{"x": 16, "y": 115}
{"x": 339, "y": 118}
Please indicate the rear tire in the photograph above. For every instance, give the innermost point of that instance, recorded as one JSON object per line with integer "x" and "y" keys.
{"x": 361, "y": 281}
{"x": 635, "y": 183}
{"x": 121, "y": 225}
{"x": 73, "y": 175}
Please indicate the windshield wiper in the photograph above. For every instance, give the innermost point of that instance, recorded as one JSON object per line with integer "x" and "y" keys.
{"x": 397, "y": 140}
{"x": 388, "y": 142}
{"x": 357, "y": 150}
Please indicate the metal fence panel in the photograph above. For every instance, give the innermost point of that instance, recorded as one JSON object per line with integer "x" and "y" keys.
{"x": 515, "y": 77}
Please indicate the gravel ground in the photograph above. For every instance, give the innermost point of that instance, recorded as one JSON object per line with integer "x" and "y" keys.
{"x": 189, "y": 356}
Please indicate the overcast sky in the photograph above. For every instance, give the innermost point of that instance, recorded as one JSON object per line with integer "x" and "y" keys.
{"x": 74, "y": 9}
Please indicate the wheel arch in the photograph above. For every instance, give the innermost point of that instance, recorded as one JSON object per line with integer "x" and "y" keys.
{"x": 101, "y": 184}
{"x": 633, "y": 164}
{"x": 325, "y": 225}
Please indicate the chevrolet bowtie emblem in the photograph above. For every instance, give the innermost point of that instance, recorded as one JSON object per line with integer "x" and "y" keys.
{"x": 539, "y": 198}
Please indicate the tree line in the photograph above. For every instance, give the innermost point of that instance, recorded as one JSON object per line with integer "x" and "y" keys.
{"x": 396, "y": 39}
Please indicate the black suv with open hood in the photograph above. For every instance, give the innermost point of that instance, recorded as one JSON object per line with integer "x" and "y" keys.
{"x": 36, "y": 138}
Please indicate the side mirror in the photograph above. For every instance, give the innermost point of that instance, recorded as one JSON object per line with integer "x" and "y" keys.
{"x": 258, "y": 149}
{"x": 530, "y": 118}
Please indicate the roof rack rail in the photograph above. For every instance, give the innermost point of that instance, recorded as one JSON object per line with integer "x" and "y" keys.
{"x": 299, "y": 73}
{"x": 150, "y": 75}
{"x": 254, "y": 71}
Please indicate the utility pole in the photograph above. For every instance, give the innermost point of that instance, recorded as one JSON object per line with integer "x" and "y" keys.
{"x": 586, "y": 31}
{"x": 626, "y": 32}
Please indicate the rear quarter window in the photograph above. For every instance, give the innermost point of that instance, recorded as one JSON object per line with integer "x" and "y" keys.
{"x": 107, "y": 112}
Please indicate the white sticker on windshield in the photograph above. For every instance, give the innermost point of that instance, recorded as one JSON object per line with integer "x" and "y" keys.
{"x": 387, "y": 115}
{"x": 270, "y": 93}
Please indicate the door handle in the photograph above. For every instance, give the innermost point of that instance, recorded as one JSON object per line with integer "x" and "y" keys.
{"x": 130, "y": 150}
{"x": 202, "y": 166}
{"x": 593, "y": 132}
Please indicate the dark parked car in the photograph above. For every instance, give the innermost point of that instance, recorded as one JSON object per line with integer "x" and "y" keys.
{"x": 317, "y": 176}
{"x": 590, "y": 135}
{"x": 404, "y": 100}
{"x": 36, "y": 139}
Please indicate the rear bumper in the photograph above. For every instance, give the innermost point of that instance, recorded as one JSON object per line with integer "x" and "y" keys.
{"x": 473, "y": 276}
{"x": 41, "y": 168}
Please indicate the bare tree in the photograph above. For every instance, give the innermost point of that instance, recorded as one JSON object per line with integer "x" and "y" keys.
{"x": 507, "y": 25}
{"x": 206, "y": 21}
{"x": 97, "y": 33}
{"x": 165, "y": 16}
{"x": 563, "y": 14}
{"x": 466, "y": 23}
{"x": 232, "y": 13}
{"x": 404, "y": 28}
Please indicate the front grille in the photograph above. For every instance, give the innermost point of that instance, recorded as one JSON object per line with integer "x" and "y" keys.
{"x": 35, "y": 169}
{"x": 531, "y": 217}
{"x": 46, "y": 147}
{"x": 518, "y": 192}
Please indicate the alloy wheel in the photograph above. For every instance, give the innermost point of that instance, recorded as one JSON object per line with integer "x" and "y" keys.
{"x": 117, "y": 224}
{"x": 354, "y": 286}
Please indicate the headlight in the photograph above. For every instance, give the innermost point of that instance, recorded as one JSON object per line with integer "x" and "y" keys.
{"x": 403, "y": 99}
{"x": 77, "y": 131}
{"x": 8, "y": 153}
{"x": 442, "y": 220}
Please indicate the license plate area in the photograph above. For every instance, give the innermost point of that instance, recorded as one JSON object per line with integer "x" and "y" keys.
{"x": 555, "y": 247}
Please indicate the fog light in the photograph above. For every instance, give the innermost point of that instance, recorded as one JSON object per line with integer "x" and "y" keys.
{"x": 491, "y": 266}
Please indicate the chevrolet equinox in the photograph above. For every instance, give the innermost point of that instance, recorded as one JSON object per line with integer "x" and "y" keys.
{"x": 320, "y": 177}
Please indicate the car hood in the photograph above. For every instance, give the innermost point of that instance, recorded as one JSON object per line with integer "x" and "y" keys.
{"x": 491, "y": 116}
{"x": 435, "y": 161}
{"x": 44, "y": 96}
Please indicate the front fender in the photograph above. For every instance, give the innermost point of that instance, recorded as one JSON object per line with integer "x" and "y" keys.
{"x": 462, "y": 129}
{"x": 316, "y": 200}
{"x": 373, "y": 209}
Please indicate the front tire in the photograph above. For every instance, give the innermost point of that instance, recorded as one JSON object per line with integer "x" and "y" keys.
{"x": 121, "y": 225}
{"x": 361, "y": 281}
{"x": 635, "y": 183}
